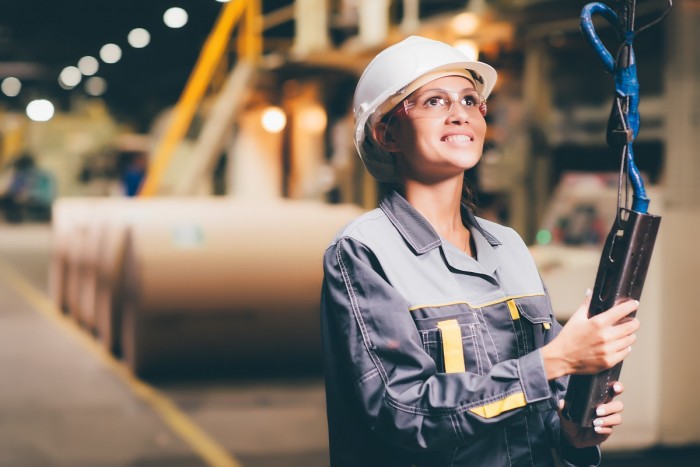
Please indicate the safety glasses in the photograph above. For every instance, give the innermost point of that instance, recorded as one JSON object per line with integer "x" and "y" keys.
{"x": 434, "y": 103}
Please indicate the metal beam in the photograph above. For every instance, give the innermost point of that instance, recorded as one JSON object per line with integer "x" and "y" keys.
{"x": 214, "y": 48}
{"x": 213, "y": 135}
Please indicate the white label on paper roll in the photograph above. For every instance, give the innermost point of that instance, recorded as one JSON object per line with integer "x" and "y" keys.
{"x": 187, "y": 236}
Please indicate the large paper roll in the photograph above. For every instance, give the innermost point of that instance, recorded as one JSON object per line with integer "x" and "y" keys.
{"x": 70, "y": 217}
{"x": 230, "y": 281}
{"x": 119, "y": 216}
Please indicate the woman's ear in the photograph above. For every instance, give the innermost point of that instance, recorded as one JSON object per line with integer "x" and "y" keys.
{"x": 483, "y": 108}
{"x": 384, "y": 135}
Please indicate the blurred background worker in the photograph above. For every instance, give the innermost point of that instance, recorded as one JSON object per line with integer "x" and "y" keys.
{"x": 29, "y": 192}
{"x": 132, "y": 172}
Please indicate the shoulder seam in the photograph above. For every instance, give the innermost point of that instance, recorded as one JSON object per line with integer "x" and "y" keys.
{"x": 372, "y": 215}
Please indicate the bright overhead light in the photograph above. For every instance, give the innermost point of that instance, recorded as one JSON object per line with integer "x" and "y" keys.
{"x": 222, "y": 1}
{"x": 139, "y": 38}
{"x": 110, "y": 53}
{"x": 175, "y": 17}
{"x": 70, "y": 76}
{"x": 40, "y": 110}
{"x": 11, "y": 86}
{"x": 273, "y": 120}
{"x": 95, "y": 86}
{"x": 88, "y": 65}
{"x": 465, "y": 24}
{"x": 313, "y": 119}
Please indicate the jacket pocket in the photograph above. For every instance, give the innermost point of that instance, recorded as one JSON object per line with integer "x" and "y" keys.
{"x": 454, "y": 343}
{"x": 536, "y": 312}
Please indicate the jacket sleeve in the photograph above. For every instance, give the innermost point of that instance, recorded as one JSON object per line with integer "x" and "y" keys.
{"x": 568, "y": 454}
{"x": 397, "y": 383}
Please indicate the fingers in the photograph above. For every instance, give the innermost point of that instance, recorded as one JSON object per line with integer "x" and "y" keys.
{"x": 610, "y": 414}
{"x": 588, "y": 297}
{"x": 607, "y": 422}
{"x": 616, "y": 313}
{"x": 621, "y": 337}
{"x": 624, "y": 343}
{"x": 582, "y": 311}
{"x": 629, "y": 326}
{"x": 618, "y": 356}
{"x": 611, "y": 421}
{"x": 611, "y": 408}
{"x": 586, "y": 301}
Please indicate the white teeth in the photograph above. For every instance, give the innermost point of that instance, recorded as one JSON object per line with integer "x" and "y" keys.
{"x": 457, "y": 138}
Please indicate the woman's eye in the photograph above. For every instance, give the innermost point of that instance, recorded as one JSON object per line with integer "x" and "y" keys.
{"x": 469, "y": 101}
{"x": 435, "y": 101}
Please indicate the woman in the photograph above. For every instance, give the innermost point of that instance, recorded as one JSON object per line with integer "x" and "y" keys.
{"x": 440, "y": 346}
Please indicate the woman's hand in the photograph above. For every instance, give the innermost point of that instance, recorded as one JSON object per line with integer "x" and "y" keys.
{"x": 589, "y": 346}
{"x": 609, "y": 415}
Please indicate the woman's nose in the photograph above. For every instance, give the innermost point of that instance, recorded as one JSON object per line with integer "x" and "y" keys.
{"x": 458, "y": 114}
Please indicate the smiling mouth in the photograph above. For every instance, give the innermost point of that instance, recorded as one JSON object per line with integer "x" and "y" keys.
{"x": 457, "y": 139}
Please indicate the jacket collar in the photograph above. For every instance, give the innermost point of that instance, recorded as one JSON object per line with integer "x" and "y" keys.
{"x": 416, "y": 230}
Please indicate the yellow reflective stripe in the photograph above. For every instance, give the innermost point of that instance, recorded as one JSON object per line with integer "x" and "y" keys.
{"x": 512, "y": 297}
{"x": 494, "y": 409}
{"x": 452, "y": 350}
{"x": 546, "y": 325}
{"x": 513, "y": 308}
{"x": 474, "y": 305}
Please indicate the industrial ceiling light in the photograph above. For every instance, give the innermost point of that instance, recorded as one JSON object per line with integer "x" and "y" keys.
{"x": 273, "y": 119}
{"x": 11, "y": 86}
{"x": 313, "y": 119}
{"x": 95, "y": 86}
{"x": 175, "y": 17}
{"x": 139, "y": 38}
{"x": 88, "y": 65}
{"x": 465, "y": 24}
{"x": 110, "y": 53}
{"x": 70, "y": 77}
{"x": 40, "y": 110}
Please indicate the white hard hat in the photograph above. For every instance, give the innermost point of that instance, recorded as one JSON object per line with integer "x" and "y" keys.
{"x": 394, "y": 74}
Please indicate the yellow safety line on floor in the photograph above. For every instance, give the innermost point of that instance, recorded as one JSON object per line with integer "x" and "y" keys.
{"x": 210, "y": 451}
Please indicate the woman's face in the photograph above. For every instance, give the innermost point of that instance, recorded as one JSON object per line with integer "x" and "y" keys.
{"x": 435, "y": 144}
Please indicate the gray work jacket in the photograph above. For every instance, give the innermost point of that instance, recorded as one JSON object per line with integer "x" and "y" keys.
{"x": 431, "y": 356}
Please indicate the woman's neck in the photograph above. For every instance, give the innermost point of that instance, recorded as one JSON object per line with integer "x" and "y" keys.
{"x": 440, "y": 204}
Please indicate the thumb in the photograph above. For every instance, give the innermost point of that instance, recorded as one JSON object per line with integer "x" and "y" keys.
{"x": 582, "y": 311}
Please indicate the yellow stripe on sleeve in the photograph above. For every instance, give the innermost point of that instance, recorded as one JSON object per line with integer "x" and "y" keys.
{"x": 496, "y": 408}
{"x": 452, "y": 350}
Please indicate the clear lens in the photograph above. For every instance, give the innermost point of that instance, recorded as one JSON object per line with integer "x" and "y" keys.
{"x": 439, "y": 103}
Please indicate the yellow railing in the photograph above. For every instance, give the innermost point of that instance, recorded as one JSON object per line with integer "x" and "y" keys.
{"x": 249, "y": 48}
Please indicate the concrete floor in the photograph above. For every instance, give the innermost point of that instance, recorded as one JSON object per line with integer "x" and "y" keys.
{"x": 62, "y": 404}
